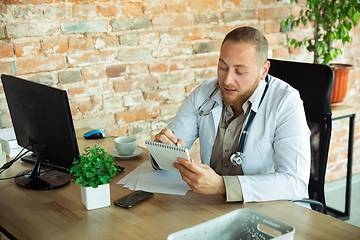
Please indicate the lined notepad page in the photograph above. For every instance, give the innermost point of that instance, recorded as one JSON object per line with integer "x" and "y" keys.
{"x": 165, "y": 155}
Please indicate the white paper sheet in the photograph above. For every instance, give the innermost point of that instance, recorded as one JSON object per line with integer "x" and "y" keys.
{"x": 130, "y": 175}
{"x": 146, "y": 178}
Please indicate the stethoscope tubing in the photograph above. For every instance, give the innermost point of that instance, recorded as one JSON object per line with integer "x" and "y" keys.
{"x": 236, "y": 158}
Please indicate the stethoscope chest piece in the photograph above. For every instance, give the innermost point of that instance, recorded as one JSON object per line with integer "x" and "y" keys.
{"x": 237, "y": 158}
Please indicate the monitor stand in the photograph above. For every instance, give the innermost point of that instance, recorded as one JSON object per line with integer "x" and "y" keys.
{"x": 45, "y": 180}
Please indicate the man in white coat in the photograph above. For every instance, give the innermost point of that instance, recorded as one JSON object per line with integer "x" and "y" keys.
{"x": 254, "y": 139}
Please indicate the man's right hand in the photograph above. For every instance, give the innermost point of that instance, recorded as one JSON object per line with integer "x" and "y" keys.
{"x": 167, "y": 136}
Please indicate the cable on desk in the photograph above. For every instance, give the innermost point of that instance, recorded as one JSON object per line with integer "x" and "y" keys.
{"x": 26, "y": 172}
{"x": 17, "y": 157}
{"x": 16, "y": 176}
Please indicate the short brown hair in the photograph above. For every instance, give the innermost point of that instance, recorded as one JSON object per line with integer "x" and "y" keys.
{"x": 252, "y": 36}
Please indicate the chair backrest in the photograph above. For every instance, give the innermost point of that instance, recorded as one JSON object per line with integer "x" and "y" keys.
{"x": 314, "y": 83}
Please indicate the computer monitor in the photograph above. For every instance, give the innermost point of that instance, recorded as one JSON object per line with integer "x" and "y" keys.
{"x": 43, "y": 124}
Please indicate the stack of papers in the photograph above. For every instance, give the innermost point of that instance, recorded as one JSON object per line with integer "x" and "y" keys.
{"x": 147, "y": 179}
{"x": 2, "y": 156}
{"x": 9, "y": 142}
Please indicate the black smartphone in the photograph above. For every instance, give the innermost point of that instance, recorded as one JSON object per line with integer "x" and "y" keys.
{"x": 133, "y": 199}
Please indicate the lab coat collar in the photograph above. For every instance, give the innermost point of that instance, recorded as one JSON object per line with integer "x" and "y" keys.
{"x": 255, "y": 104}
{"x": 216, "y": 112}
{"x": 261, "y": 89}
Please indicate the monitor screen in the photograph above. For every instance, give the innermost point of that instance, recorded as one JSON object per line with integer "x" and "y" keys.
{"x": 42, "y": 122}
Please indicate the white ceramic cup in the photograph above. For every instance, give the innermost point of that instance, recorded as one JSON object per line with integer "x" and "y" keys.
{"x": 126, "y": 145}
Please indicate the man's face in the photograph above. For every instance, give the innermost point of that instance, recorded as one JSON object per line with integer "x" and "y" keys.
{"x": 238, "y": 72}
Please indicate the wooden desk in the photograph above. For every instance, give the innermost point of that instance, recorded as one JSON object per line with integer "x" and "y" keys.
{"x": 59, "y": 213}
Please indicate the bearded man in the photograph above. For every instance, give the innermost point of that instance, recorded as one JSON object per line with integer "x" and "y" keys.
{"x": 253, "y": 134}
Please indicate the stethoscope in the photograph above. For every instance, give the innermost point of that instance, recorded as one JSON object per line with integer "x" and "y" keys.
{"x": 238, "y": 157}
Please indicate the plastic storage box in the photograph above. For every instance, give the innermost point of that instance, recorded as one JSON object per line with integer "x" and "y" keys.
{"x": 241, "y": 224}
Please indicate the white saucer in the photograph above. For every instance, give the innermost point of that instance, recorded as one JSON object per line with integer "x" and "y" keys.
{"x": 137, "y": 152}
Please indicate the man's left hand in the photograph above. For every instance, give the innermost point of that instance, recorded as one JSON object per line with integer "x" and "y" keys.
{"x": 200, "y": 177}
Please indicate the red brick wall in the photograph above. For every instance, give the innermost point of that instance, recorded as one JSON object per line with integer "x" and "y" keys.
{"x": 127, "y": 65}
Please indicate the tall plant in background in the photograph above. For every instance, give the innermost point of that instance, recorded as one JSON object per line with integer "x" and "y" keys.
{"x": 332, "y": 20}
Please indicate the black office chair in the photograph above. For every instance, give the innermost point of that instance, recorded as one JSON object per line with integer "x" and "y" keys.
{"x": 314, "y": 82}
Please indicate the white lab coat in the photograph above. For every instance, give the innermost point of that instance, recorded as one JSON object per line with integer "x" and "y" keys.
{"x": 277, "y": 148}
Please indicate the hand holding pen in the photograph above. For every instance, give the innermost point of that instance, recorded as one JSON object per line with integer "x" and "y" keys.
{"x": 168, "y": 137}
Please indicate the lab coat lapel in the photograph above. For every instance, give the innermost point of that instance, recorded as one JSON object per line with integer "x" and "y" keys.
{"x": 255, "y": 104}
{"x": 216, "y": 112}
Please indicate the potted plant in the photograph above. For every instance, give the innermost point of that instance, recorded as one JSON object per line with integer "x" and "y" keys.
{"x": 94, "y": 171}
{"x": 332, "y": 20}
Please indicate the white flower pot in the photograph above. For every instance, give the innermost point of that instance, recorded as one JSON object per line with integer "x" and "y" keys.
{"x": 93, "y": 198}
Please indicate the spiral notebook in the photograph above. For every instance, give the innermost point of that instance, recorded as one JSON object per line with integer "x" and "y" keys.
{"x": 165, "y": 155}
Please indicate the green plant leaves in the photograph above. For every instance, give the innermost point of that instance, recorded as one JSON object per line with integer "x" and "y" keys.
{"x": 94, "y": 168}
{"x": 333, "y": 21}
